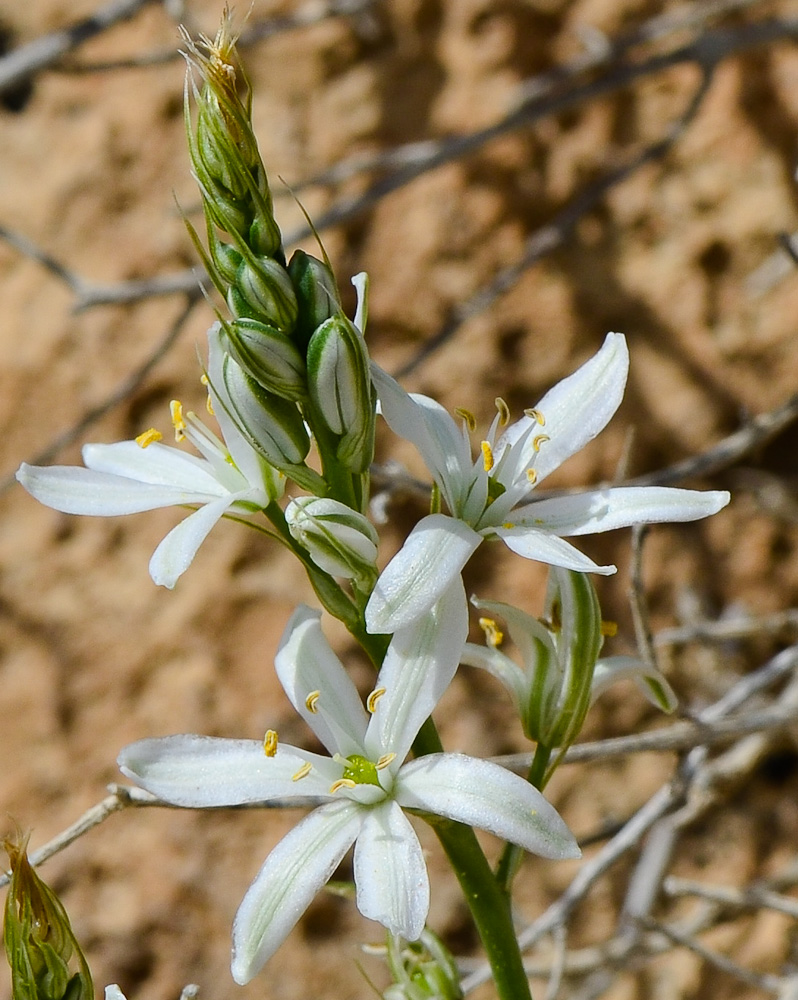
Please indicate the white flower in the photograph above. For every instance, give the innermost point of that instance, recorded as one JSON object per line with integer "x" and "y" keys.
{"x": 489, "y": 497}
{"x": 365, "y": 784}
{"x": 132, "y": 476}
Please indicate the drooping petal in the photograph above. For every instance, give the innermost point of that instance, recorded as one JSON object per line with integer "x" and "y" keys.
{"x": 177, "y": 550}
{"x": 575, "y": 411}
{"x": 433, "y": 555}
{"x": 305, "y": 663}
{"x": 158, "y": 464}
{"x": 501, "y": 666}
{"x": 484, "y": 795}
{"x": 418, "y": 667}
{"x": 545, "y": 548}
{"x": 201, "y": 772}
{"x": 606, "y": 510}
{"x": 650, "y": 680}
{"x": 390, "y": 872}
{"x": 293, "y": 873}
{"x": 75, "y": 490}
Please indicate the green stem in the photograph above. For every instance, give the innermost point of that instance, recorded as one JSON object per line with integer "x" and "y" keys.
{"x": 512, "y": 855}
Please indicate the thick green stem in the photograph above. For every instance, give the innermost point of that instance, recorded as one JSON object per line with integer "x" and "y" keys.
{"x": 512, "y": 855}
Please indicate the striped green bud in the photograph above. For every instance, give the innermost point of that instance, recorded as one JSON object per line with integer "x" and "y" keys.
{"x": 421, "y": 970}
{"x": 263, "y": 290}
{"x": 316, "y": 293}
{"x": 340, "y": 541}
{"x": 340, "y": 388}
{"x": 269, "y": 356}
{"x": 45, "y": 957}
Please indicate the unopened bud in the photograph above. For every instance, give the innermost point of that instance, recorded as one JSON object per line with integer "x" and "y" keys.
{"x": 45, "y": 957}
{"x": 263, "y": 291}
{"x": 421, "y": 970}
{"x": 269, "y": 356}
{"x": 316, "y": 293}
{"x": 340, "y": 388}
{"x": 340, "y": 541}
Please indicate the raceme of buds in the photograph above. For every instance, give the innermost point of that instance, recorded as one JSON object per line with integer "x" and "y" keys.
{"x": 421, "y": 970}
{"x": 268, "y": 355}
{"x": 316, "y": 292}
{"x": 43, "y": 953}
{"x": 263, "y": 290}
{"x": 340, "y": 388}
{"x": 339, "y": 540}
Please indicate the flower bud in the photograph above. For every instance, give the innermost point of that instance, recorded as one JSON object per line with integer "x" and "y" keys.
{"x": 340, "y": 541}
{"x": 269, "y": 356}
{"x": 43, "y": 952}
{"x": 421, "y": 970}
{"x": 340, "y": 389}
{"x": 263, "y": 290}
{"x": 316, "y": 293}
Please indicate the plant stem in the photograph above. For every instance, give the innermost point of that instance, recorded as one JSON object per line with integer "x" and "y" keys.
{"x": 512, "y": 855}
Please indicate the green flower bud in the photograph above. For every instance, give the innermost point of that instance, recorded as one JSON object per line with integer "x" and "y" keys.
{"x": 340, "y": 389}
{"x": 45, "y": 958}
{"x": 274, "y": 426}
{"x": 316, "y": 293}
{"x": 421, "y": 970}
{"x": 263, "y": 290}
{"x": 269, "y": 356}
{"x": 340, "y": 541}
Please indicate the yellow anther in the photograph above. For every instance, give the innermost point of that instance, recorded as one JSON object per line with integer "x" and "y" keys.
{"x": 303, "y": 772}
{"x": 178, "y": 421}
{"x": 487, "y": 456}
{"x": 539, "y": 440}
{"x": 145, "y": 439}
{"x": 312, "y": 700}
{"x": 532, "y": 476}
{"x": 468, "y": 417}
{"x": 536, "y": 415}
{"x": 609, "y": 629}
{"x": 504, "y": 411}
{"x": 493, "y": 634}
{"x": 373, "y": 698}
{"x": 341, "y": 783}
{"x": 270, "y": 743}
{"x": 385, "y": 760}
{"x": 208, "y": 401}
{"x": 508, "y": 525}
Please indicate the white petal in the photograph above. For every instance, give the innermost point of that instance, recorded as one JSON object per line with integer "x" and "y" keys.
{"x": 293, "y": 873}
{"x": 201, "y": 772}
{"x": 575, "y": 410}
{"x": 157, "y": 464}
{"x": 650, "y": 681}
{"x": 361, "y": 283}
{"x": 499, "y": 665}
{"x": 418, "y": 667}
{"x": 605, "y": 510}
{"x": 433, "y": 555}
{"x": 75, "y": 490}
{"x": 481, "y": 794}
{"x": 176, "y": 552}
{"x": 532, "y": 544}
{"x": 390, "y": 873}
{"x": 113, "y": 992}
{"x": 305, "y": 663}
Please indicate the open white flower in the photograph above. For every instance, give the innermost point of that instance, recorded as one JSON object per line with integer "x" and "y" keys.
{"x": 489, "y": 497}
{"x": 133, "y": 476}
{"x": 364, "y": 784}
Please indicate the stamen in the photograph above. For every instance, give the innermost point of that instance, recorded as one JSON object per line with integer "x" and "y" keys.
{"x": 385, "y": 760}
{"x": 342, "y": 783}
{"x": 487, "y": 456}
{"x": 303, "y": 772}
{"x": 504, "y": 411}
{"x": 311, "y": 702}
{"x": 468, "y": 417}
{"x": 373, "y": 698}
{"x": 493, "y": 634}
{"x": 145, "y": 439}
{"x": 508, "y": 525}
{"x": 536, "y": 415}
{"x": 532, "y": 476}
{"x": 178, "y": 422}
{"x": 539, "y": 440}
{"x": 609, "y": 629}
{"x": 270, "y": 743}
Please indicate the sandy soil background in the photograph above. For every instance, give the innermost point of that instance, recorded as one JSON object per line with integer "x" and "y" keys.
{"x": 682, "y": 255}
